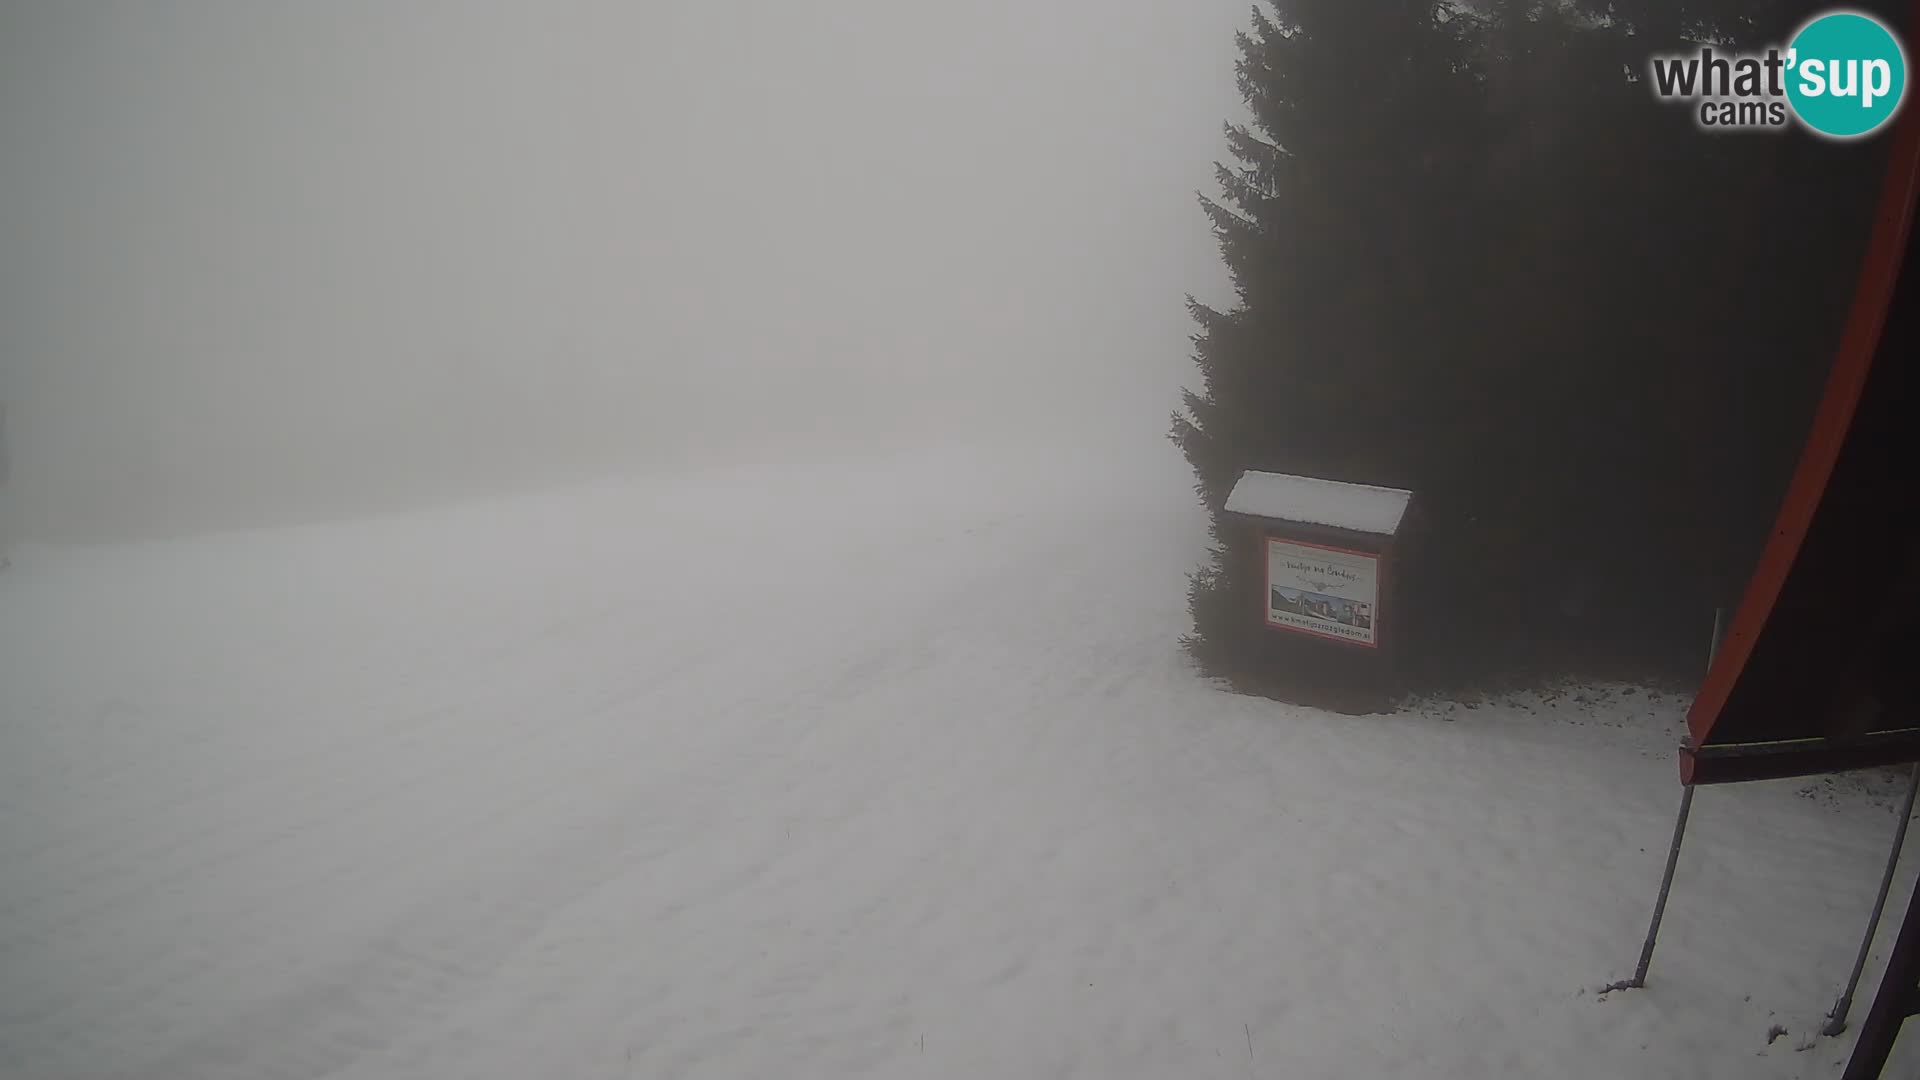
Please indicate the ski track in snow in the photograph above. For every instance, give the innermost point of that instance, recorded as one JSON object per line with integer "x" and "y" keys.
{"x": 867, "y": 769}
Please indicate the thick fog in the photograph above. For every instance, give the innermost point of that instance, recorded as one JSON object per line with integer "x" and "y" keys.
{"x": 265, "y": 261}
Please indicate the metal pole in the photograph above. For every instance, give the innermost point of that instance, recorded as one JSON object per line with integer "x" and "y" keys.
{"x": 1899, "y": 993}
{"x": 1673, "y": 852}
{"x": 1837, "y": 1016}
{"x": 1666, "y": 884}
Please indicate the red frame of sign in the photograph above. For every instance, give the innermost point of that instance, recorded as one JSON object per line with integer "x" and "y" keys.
{"x": 1266, "y": 594}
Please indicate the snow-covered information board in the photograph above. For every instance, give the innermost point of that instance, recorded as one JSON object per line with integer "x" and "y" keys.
{"x": 1328, "y": 592}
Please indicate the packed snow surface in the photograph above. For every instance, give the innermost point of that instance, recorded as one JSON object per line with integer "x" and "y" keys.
{"x": 875, "y": 769}
{"x": 1354, "y": 507}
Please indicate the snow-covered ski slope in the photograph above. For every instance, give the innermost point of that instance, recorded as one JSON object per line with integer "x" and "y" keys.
{"x": 881, "y": 769}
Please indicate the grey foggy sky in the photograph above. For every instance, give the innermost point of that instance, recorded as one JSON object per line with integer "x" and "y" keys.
{"x": 259, "y": 257}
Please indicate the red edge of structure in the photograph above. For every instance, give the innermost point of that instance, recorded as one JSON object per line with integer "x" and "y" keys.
{"x": 1853, "y": 359}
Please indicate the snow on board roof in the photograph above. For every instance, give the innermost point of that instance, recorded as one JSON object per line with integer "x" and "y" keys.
{"x": 1359, "y": 508}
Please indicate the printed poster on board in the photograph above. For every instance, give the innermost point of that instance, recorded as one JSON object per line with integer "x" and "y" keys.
{"x": 1326, "y": 592}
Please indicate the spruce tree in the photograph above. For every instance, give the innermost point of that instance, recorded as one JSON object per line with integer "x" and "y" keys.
{"x": 1475, "y": 257}
{"x": 1338, "y": 223}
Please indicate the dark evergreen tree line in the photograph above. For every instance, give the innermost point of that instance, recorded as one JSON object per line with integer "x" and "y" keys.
{"x": 1474, "y": 257}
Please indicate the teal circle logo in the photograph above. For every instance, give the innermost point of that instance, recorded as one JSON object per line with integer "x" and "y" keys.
{"x": 1846, "y": 74}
